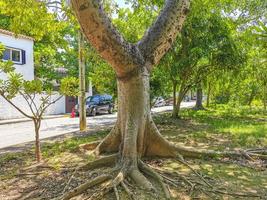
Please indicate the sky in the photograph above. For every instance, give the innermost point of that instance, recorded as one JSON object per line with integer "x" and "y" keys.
{"x": 121, "y": 3}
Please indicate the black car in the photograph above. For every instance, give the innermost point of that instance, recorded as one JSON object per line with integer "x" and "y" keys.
{"x": 97, "y": 104}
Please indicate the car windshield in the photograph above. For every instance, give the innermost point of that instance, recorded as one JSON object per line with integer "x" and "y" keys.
{"x": 93, "y": 99}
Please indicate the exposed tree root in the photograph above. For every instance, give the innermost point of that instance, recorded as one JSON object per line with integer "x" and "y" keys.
{"x": 108, "y": 186}
{"x": 149, "y": 171}
{"x": 127, "y": 190}
{"x": 105, "y": 161}
{"x": 195, "y": 172}
{"x": 201, "y": 186}
{"x": 79, "y": 190}
{"x": 112, "y": 182}
{"x": 101, "y": 162}
{"x": 130, "y": 166}
{"x": 116, "y": 192}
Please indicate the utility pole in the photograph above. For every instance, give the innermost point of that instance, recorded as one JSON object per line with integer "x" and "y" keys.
{"x": 82, "y": 103}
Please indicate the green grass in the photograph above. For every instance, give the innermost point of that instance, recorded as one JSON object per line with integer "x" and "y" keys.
{"x": 246, "y": 127}
{"x": 237, "y": 126}
{"x": 69, "y": 145}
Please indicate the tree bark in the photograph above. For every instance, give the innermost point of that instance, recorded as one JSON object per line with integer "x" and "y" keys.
{"x": 37, "y": 124}
{"x": 82, "y": 103}
{"x": 208, "y": 95}
{"x": 163, "y": 32}
{"x": 251, "y": 97}
{"x": 174, "y": 89}
{"x": 135, "y": 134}
{"x": 199, "y": 105}
{"x": 181, "y": 94}
{"x": 100, "y": 32}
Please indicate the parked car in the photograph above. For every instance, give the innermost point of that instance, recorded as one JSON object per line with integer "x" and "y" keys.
{"x": 159, "y": 101}
{"x": 169, "y": 102}
{"x": 97, "y": 104}
{"x": 186, "y": 98}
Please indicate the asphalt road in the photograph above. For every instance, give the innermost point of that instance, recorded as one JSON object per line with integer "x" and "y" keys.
{"x": 18, "y": 133}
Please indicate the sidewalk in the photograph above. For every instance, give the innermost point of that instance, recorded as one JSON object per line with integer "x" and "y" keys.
{"x": 20, "y": 120}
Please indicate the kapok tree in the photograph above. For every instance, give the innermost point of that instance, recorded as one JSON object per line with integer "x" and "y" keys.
{"x": 134, "y": 135}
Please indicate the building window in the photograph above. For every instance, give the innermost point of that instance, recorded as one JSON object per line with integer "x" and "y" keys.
{"x": 6, "y": 54}
{"x": 15, "y": 55}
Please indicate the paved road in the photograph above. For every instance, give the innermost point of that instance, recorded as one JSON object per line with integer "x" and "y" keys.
{"x": 18, "y": 133}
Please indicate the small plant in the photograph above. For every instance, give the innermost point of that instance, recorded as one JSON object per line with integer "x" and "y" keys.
{"x": 36, "y": 93}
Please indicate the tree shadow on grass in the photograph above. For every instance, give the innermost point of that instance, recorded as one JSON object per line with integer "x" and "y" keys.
{"x": 213, "y": 127}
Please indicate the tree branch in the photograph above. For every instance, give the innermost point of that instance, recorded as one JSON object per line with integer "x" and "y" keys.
{"x": 29, "y": 103}
{"x": 99, "y": 31}
{"x": 17, "y": 108}
{"x": 45, "y": 101}
{"x": 159, "y": 38}
{"x": 49, "y": 104}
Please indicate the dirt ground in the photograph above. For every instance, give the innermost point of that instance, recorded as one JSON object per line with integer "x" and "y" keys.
{"x": 21, "y": 178}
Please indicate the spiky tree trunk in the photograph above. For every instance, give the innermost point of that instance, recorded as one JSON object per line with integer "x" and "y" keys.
{"x": 132, "y": 64}
{"x": 134, "y": 135}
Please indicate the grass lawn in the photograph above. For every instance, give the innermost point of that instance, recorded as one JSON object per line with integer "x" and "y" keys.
{"x": 221, "y": 128}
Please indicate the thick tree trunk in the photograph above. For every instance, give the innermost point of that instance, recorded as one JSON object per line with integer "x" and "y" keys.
{"x": 199, "y": 105}
{"x": 133, "y": 113}
{"x": 37, "y": 124}
{"x": 135, "y": 134}
{"x": 130, "y": 132}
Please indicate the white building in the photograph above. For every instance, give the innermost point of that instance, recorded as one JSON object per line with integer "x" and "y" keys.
{"x": 19, "y": 49}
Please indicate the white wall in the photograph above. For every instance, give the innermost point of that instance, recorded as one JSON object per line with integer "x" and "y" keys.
{"x": 57, "y": 108}
{"x": 8, "y": 112}
{"x": 27, "y": 70}
{"x": 90, "y": 89}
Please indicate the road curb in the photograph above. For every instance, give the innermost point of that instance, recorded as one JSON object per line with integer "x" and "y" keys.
{"x": 29, "y": 145}
{"x": 15, "y": 121}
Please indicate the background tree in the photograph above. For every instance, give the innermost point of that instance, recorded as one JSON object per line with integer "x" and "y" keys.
{"x": 245, "y": 85}
{"x": 206, "y": 44}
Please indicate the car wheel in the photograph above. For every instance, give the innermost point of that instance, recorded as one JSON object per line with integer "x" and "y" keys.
{"x": 94, "y": 112}
{"x": 110, "y": 110}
